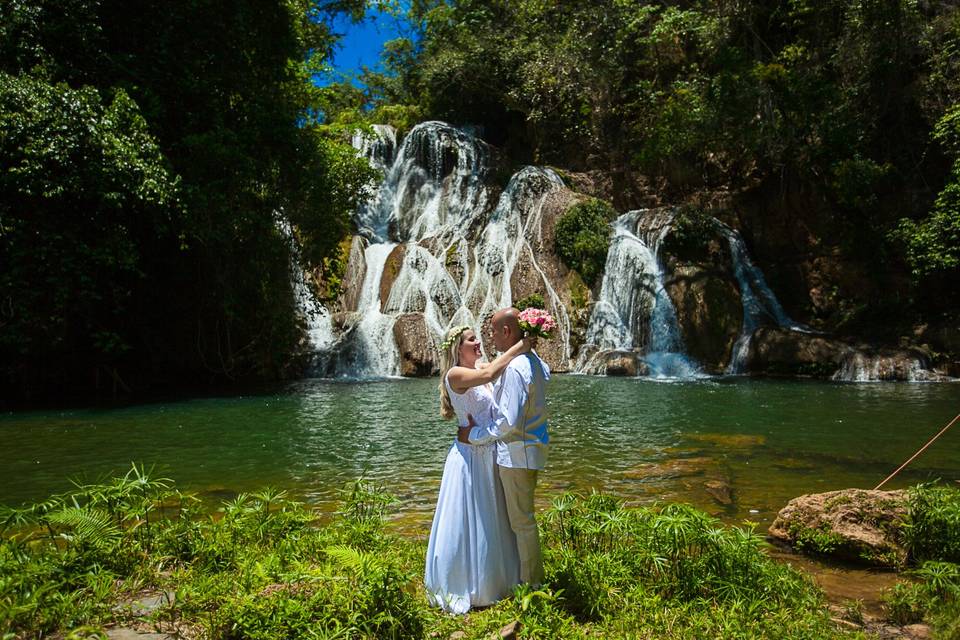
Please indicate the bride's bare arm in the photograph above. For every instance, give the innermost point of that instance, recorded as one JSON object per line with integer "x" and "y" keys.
{"x": 462, "y": 378}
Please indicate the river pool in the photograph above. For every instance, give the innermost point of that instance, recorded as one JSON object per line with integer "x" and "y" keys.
{"x": 736, "y": 447}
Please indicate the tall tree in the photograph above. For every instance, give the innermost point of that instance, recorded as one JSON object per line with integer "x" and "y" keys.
{"x": 210, "y": 105}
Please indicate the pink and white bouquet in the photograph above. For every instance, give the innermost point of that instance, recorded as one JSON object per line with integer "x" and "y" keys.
{"x": 537, "y": 322}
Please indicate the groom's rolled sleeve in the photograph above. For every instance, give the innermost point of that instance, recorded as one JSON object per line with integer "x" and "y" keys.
{"x": 513, "y": 398}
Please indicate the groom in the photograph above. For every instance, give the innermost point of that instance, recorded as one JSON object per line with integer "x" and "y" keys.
{"x": 521, "y": 436}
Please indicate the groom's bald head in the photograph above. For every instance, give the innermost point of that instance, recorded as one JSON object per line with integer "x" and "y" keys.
{"x": 506, "y": 328}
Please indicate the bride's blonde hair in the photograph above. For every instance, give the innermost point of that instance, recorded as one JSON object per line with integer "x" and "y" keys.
{"x": 449, "y": 358}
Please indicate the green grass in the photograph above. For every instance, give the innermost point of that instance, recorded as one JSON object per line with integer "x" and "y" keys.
{"x": 265, "y": 567}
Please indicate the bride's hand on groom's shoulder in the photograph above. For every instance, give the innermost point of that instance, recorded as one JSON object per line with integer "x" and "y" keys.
{"x": 529, "y": 343}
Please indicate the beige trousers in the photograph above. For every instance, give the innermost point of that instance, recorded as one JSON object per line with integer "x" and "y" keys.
{"x": 518, "y": 488}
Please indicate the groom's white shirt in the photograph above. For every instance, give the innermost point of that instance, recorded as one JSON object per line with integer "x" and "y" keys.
{"x": 520, "y": 424}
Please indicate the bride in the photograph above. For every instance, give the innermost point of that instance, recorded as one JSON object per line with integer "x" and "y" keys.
{"x": 472, "y": 554}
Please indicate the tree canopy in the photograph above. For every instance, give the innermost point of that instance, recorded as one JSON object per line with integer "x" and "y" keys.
{"x": 148, "y": 149}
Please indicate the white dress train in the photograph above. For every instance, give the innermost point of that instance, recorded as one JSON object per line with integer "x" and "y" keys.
{"x": 472, "y": 554}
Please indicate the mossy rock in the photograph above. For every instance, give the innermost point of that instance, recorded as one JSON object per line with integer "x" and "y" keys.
{"x": 851, "y": 524}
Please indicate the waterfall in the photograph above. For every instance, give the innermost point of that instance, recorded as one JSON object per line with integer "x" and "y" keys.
{"x": 439, "y": 246}
{"x": 760, "y": 305}
{"x": 506, "y": 243}
{"x": 320, "y": 334}
{"x": 634, "y": 312}
{"x": 373, "y": 352}
{"x": 626, "y": 291}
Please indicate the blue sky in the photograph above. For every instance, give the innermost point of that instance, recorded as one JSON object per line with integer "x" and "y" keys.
{"x": 361, "y": 43}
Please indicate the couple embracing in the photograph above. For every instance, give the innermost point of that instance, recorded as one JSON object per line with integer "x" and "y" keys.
{"x": 484, "y": 539}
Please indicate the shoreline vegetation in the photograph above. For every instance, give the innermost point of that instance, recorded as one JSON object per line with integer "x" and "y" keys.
{"x": 264, "y": 566}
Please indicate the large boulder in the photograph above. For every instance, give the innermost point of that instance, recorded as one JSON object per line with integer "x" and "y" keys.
{"x": 625, "y": 363}
{"x": 709, "y": 312}
{"x": 418, "y": 357}
{"x": 851, "y": 524}
{"x": 779, "y": 351}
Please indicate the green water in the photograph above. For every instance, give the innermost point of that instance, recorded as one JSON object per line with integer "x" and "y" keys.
{"x": 646, "y": 441}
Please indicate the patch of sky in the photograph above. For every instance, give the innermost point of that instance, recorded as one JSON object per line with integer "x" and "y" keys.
{"x": 361, "y": 43}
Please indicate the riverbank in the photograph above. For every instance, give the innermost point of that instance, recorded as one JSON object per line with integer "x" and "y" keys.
{"x": 263, "y": 566}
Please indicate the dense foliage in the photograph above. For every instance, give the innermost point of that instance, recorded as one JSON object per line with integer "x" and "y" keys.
{"x": 148, "y": 150}
{"x": 583, "y": 236}
{"x": 824, "y": 114}
{"x": 268, "y": 567}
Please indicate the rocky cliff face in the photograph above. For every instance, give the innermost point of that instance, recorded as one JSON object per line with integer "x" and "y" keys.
{"x": 444, "y": 242}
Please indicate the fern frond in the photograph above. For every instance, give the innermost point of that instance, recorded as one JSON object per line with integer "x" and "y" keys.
{"x": 89, "y": 526}
{"x": 350, "y": 558}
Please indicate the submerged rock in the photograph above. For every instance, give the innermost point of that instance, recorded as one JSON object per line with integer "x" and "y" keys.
{"x": 729, "y": 440}
{"x": 851, "y": 524}
{"x": 674, "y": 468}
{"x": 720, "y": 490}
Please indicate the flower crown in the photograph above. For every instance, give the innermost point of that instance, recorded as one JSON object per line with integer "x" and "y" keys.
{"x": 453, "y": 336}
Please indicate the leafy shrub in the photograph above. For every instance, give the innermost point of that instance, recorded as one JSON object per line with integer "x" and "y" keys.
{"x": 935, "y": 598}
{"x": 265, "y": 568}
{"x": 534, "y": 300}
{"x": 691, "y": 229}
{"x": 932, "y": 528}
{"x": 905, "y": 603}
{"x": 933, "y": 244}
{"x": 821, "y": 540}
{"x": 582, "y": 238}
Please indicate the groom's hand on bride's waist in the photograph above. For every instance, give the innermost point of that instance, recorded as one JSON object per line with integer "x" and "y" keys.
{"x": 463, "y": 433}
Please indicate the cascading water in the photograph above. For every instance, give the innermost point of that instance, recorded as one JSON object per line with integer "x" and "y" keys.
{"x": 627, "y": 293}
{"x": 665, "y": 356}
{"x": 421, "y": 224}
{"x": 320, "y": 334}
{"x": 436, "y": 181}
{"x": 760, "y": 305}
{"x": 372, "y": 351}
{"x": 634, "y": 310}
{"x": 506, "y": 241}
{"x": 860, "y": 367}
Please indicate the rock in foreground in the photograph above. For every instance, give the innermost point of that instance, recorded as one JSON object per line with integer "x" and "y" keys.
{"x": 851, "y": 524}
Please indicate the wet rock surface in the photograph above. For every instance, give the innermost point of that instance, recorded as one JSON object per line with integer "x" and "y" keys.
{"x": 782, "y": 351}
{"x": 624, "y": 363}
{"x": 353, "y": 277}
{"x": 417, "y": 353}
{"x": 700, "y": 281}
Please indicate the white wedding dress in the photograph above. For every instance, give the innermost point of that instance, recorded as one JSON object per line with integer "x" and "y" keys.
{"x": 472, "y": 554}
